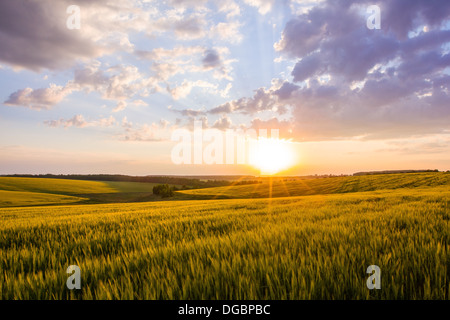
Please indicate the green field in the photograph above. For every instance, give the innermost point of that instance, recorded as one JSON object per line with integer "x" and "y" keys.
{"x": 57, "y": 186}
{"x": 41, "y": 191}
{"x": 19, "y": 198}
{"x": 315, "y": 244}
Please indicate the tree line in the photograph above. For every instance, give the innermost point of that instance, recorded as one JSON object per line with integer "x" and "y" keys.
{"x": 187, "y": 183}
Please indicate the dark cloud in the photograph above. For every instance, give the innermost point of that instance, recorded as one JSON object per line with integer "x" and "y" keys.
{"x": 224, "y": 108}
{"x": 307, "y": 67}
{"x": 189, "y": 112}
{"x": 350, "y": 81}
{"x": 211, "y": 59}
{"x": 333, "y": 38}
{"x": 261, "y": 101}
{"x": 33, "y": 35}
{"x": 403, "y": 16}
{"x": 424, "y": 41}
{"x": 369, "y": 83}
{"x": 379, "y": 93}
{"x": 223, "y": 123}
{"x": 423, "y": 65}
{"x": 284, "y": 127}
{"x": 285, "y": 91}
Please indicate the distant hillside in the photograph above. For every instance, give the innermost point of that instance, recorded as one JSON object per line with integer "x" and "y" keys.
{"x": 391, "y": 172}
{"x": 302, "y": 187}
{"x": 54, "y": 186}
{"x": 18, "y": 191}
{"x": 184, "y": 181}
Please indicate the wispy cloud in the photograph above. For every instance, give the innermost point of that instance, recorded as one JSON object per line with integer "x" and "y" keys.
{"x": 80, "y": 122}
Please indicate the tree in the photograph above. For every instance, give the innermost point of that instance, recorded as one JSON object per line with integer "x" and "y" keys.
{"x": 164, "y": 190}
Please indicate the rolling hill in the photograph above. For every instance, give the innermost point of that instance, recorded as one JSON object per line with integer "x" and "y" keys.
{"x": 304, "y": 187}
{"x": 315, "y": 244}
{"x": 39, "y": 191}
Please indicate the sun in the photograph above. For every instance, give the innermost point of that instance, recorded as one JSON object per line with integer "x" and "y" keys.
{"x": 272, "y": 156}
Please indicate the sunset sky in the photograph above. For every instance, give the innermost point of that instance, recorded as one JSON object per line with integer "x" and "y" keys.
{"x": 106, "y": 98}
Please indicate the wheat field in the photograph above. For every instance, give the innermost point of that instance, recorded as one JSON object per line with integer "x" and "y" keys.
{"x": 302, "y": 247}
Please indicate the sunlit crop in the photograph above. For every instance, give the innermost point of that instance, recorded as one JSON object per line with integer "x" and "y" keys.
{"x": 306, "y": 247}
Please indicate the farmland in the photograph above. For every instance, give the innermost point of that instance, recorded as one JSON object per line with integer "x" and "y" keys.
{"x": 281, "y": 188}
{"x": 41, "y": 191}
{"x": 313, "y": 239}
{"x": 18, "y": 198}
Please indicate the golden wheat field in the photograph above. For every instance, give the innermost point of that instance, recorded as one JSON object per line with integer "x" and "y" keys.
{"x": 312, "y": 239}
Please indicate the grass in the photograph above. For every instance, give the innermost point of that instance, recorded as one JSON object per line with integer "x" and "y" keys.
{"x": 67, "y": 186}
{"x": 38, "y": 191}
{"x": 130, "y": 187}
{"x": 55, "y": 186}
{"x": 18, "y": 198}
{"x": 302, "y": 187}
{"x": 303, "y": 247}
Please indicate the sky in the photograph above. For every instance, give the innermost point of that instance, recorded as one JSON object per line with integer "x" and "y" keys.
{"x": 101, "y": 86}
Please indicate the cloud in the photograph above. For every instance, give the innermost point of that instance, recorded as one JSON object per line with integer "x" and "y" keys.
{"x": 117, "y": 83}
{"x": 306, "y": 67}
{"x": 302, "y": 6}
{"x": 35, "y": 36}
{"x": 164, "y": 123}
{"x": 131, "y": 132}
{"x": 189, "y": 112}
{"x": 334, "y": 38}
{"x": 144, "y": 132}
{"x": 177, "y": 52}
{"x": 403, "y": 16}
{"x": 350, "y": 81}
{"x": 211, "y": 59}
{"x": 79, "y": 122}
{"x": 39, "y": 99}
{"x": 223, "y": 123}
{"x": 183, "y": 26}
{"x": 225, "y": 92}
{"x": 228, "y": 31}
{"x": 121, "y": 105}
{"x": 230, "y": 7}
{"x": 264, "y": 6}
{"x": 345, "y": 80}
{"x": 190, "y": 28}
{"x": 187, "y": 3}
{"x": 227, "y": 107}
{"x": 284, "y": 127}
{"x": 262, "y": 100}
{"x": 188, "y": 61}
{"x": 165, "y": 71}
{"x": 123, "y": 82}
{"x": 286, "y": 90}
{"x": 140, "y": 103}
{"x": 185, "y": 88}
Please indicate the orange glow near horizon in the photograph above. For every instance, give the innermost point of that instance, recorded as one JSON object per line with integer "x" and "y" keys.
{"x": 271, "y": 156}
